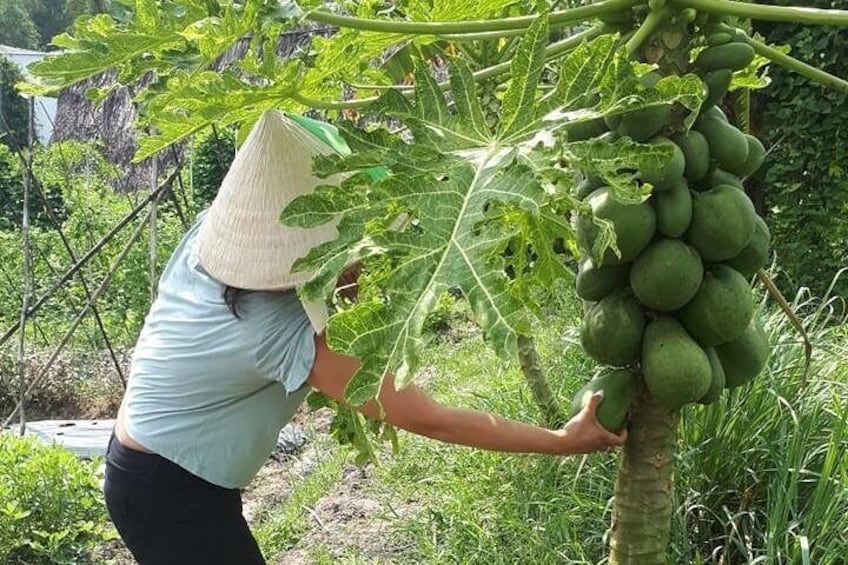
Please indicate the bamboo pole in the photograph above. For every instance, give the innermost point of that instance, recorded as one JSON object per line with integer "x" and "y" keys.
{"x": 27, "y": 270}
{"x": 154, "y": 244}
{"x": 139, "y": 231}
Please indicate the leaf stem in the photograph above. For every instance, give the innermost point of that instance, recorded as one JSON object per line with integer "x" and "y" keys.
{"x": 652, "y": 21}
{"x": 572, "y": 15}
{"x": 551, "y": 51}
{"x": 813, "y": 73}
{"x": 794, "y": 14}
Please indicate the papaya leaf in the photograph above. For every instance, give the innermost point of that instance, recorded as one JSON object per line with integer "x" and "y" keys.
{"x": 519, "y": 102}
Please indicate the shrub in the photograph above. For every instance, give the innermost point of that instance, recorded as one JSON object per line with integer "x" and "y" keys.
{"x": 51, "y": 508}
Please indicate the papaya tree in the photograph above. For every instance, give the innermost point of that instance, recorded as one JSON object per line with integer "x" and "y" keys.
{"x": 519, "y": 146}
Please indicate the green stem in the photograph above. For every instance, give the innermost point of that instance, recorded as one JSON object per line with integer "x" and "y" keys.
{"x": 551, "y": 52}
{"x": 653, "y": 20}
{"x": 814, "y": 74}
{"x": 573, "y": 15}
{"x": 641, "y": 515}
{"x": 534, "y": 374}
{"x": 794, "y": 14}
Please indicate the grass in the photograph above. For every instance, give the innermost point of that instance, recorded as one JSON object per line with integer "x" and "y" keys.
{"x": 284, "y": 527}
{"x": 762, "y": 477}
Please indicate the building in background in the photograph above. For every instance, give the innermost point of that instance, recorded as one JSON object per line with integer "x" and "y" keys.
{"x": 45, "y": 108}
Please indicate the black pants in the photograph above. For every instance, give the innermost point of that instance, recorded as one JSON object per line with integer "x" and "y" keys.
{"x": 167, "y": 515}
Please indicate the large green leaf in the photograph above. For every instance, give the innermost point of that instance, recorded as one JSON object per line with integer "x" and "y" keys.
{"x": 485, "y": 213}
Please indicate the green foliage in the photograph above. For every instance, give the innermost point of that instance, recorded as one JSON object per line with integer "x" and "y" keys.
{"x": 52, "y": 17}
{"x": 16, "y": 26}
{"x": 804, "y": 181}
{"x": 51, "y": 507}
{"x": 14, "y": 112}
{"x": 213, "y": 153}
{"x": 12, "y": 190}
{"x": 467, "y": 195}
{"x": 80, "y": 175}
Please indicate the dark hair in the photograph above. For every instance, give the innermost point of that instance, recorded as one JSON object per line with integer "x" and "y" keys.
{"x": 232, "y": 295}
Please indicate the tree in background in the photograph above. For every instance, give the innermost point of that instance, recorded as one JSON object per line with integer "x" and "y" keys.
{"x": 13, "y": 107}
{"x": 805, "y": 177}
{"x": 52, "y": 17}
{"x": 16, "y": 26}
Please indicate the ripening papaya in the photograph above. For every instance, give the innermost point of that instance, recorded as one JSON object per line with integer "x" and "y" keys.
{"x": 675, "y": 368}
{"x": 728, "y": 145}
{"x": 718, "y": 380}
{"x": 696, "y": 152}
{"x": 643, "y": 124}
{"x": 734, "y": 56}
{"x": 755, "y": 255}
{"x": 716, "y": 177}
{"x": 664, "y": 177}
{"x": 723, "y": 221}
{"x": 620, "y": 387}
{"x": 666, "y": 275}
{"x": 634, "y": 226}
{"x": 717, "y": 82}
{"x": 745, "y": 357}
{"x": 580, "y": 131}
{"x": 756, "y": 156}
{"x": 674, "y": 209}
{"x": 721, "y": 309}
{"x": 594, "y": 282}
{"x": 611, "y": 331}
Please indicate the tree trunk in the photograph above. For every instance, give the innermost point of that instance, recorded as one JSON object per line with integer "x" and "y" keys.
{"x": 641, "y": 516}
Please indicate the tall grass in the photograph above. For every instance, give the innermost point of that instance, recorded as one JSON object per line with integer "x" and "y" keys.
{"x": 763, "y": 476}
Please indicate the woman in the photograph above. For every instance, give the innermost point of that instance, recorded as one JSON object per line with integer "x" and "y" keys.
{"x": 219, "y": 370}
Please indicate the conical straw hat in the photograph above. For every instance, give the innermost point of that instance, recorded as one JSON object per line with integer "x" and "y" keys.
{"x": 241, "y": 241}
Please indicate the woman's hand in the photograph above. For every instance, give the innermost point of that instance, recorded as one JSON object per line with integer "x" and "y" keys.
{"x": 584, "y": 434}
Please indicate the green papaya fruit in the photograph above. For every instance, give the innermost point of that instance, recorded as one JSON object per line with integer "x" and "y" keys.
{"x": 634, "y": 226}
{"x": 728, "y": 145}
{"x": 717, "y": 382}
{"x": 714, "y": 113}
{"x": 756, "y": 156}
{"x": 664, "y": 177}
{"x": 746, "y": 356}
{"x": 611, "y": 331}
{"x": 675, "y": 368}
{"x": 696, "y": 152}
{"x": 717, "y": 82}
{"x": 674, "y": 209}
{"x": 620, "y": 387}
{"x": 594, "y": 282}
{"x": 716, "y": 177}
{"x": 723, "y": 221}
{"x": 734, "y": 56}
{"x": 580, "y": 131}
{"x": 666, "y": 275}
{"x": 643, "y": 124}
{"x": 755, "y": 255}
{"x": 721, "y": 309}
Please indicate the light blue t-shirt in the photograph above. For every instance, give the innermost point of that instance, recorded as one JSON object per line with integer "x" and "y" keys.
{"x": 211, "y": 392}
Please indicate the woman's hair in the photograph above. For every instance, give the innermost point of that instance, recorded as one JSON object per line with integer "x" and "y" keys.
{"x": 232, "y": 295}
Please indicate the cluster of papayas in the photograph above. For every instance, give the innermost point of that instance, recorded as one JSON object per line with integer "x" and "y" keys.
{"x": 671, "y": 306}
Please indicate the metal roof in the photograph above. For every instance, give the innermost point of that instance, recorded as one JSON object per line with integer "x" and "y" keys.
{"x": 9, "y": 50}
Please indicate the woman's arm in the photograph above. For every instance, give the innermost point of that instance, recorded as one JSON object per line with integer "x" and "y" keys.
{"x": 413, "y": 410}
